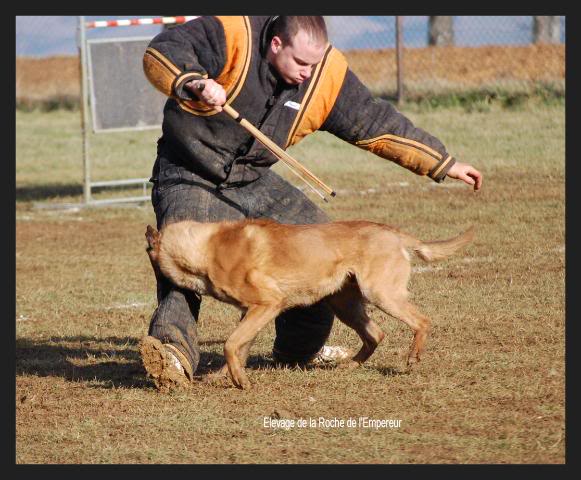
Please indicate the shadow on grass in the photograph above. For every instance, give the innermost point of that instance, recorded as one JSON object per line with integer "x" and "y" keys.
{"x": 45, "y": 192}
{"x": 119, "y": 366}
{"x": 211, "y": 362}
{"x": 115, "y": 361}
{"x": 391, "y": 371}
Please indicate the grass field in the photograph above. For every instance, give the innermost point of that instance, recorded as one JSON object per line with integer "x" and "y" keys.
{"x": 491, "y": 384}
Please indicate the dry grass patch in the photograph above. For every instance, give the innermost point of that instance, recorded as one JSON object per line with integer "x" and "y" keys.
{"x": 489, "y": 389}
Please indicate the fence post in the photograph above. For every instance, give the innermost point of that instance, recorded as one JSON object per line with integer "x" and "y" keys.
{"x": 399, "y": 57}
{"x": 84, "y": 110}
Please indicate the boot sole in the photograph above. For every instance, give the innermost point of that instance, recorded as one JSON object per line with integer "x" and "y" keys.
{"x": 154, "y": 358}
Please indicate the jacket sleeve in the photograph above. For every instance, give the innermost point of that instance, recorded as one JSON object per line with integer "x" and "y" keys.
{"x": 183, "y": 53}
{"x": 375, "y": 125}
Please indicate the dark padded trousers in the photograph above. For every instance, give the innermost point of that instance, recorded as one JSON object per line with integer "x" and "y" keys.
{"x": 300, "y": 332}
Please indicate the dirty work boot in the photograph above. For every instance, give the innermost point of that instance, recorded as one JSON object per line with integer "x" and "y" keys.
{"x": 327, "y": 356}
{"x": 164, "y": 363}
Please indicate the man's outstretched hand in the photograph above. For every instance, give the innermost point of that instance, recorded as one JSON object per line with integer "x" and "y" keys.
{"x": 467, "y": 173}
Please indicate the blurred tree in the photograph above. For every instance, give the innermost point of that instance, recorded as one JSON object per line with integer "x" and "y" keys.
{"x": 441, "y": 31}
{"x": 546, "y": 29}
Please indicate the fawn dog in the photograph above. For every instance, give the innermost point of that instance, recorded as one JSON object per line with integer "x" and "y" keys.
{"x": 264, "y": 268}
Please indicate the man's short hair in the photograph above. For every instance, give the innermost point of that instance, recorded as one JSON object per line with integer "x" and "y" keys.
{"x": 286, "y": 27}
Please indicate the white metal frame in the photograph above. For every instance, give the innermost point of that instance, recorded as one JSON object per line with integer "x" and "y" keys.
{"x": 88, "y": 119}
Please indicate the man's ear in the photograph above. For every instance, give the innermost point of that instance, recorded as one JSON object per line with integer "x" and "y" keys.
{"x": 275, "y": 44}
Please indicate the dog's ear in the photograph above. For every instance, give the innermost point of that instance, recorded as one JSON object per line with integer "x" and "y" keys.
{"x": 152, "y": 236}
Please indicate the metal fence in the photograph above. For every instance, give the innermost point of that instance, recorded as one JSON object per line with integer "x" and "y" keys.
{"x": 510, "y": 53}
{"x": 438, "y": 55}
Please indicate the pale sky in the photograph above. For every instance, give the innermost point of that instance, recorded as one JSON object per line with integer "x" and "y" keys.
{"x": 57, "y": 35}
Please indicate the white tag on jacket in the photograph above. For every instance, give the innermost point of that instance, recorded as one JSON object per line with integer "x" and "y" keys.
{"x": 292, "y": 104}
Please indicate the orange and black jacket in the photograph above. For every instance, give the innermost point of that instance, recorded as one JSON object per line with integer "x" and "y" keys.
{"x": 232, "y": 51}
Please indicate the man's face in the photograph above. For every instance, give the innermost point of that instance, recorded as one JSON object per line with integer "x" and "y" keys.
{"x": 294, "y": 61}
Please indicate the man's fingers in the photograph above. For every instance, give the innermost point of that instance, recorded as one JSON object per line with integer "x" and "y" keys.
{"x": 215, "y": 96}
{"x": 468, "y": 179}
{"x": 209, "y": 92}
{"x": 477, "y": 176}
{"x": 475, "y": 179}
{"x": 467, "y": 174}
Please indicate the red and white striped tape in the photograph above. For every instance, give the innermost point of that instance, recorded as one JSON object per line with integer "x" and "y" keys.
{"x": 138, "y": 21}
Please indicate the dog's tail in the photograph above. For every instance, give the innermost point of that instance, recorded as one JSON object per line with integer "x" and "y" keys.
{"x": 440, "y": 249}
{"x": 153, "y": 238}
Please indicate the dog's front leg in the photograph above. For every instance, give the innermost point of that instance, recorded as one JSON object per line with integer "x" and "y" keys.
{"x": 219, "y": 375}
{"x": 238, "y": 344}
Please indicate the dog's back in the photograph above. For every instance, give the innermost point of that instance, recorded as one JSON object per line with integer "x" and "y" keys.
{"x": 253, "y": 260}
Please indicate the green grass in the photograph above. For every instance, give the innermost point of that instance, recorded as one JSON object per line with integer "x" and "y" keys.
{"x": 510, "y": 96}
{"x": 489, "y": 389}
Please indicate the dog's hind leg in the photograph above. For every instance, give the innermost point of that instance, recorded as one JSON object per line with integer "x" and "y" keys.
{"x": 401, "y": 309}
{"x": 348, "y": 305}
{"x": 238, "y": 344}
{"x": 386, "y": 288}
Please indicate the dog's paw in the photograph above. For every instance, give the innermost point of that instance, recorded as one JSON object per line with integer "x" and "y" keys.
{"x": 243, "y": 384}
{"x": 413, "y": 359}
{"x": 241, "y": 381}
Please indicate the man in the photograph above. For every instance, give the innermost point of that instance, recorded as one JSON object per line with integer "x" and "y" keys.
{"x": 281, "y": 74}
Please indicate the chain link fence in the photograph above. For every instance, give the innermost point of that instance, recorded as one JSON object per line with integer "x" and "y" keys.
{"x": 438, "y": 55}
{"x": 443, "y": 55}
